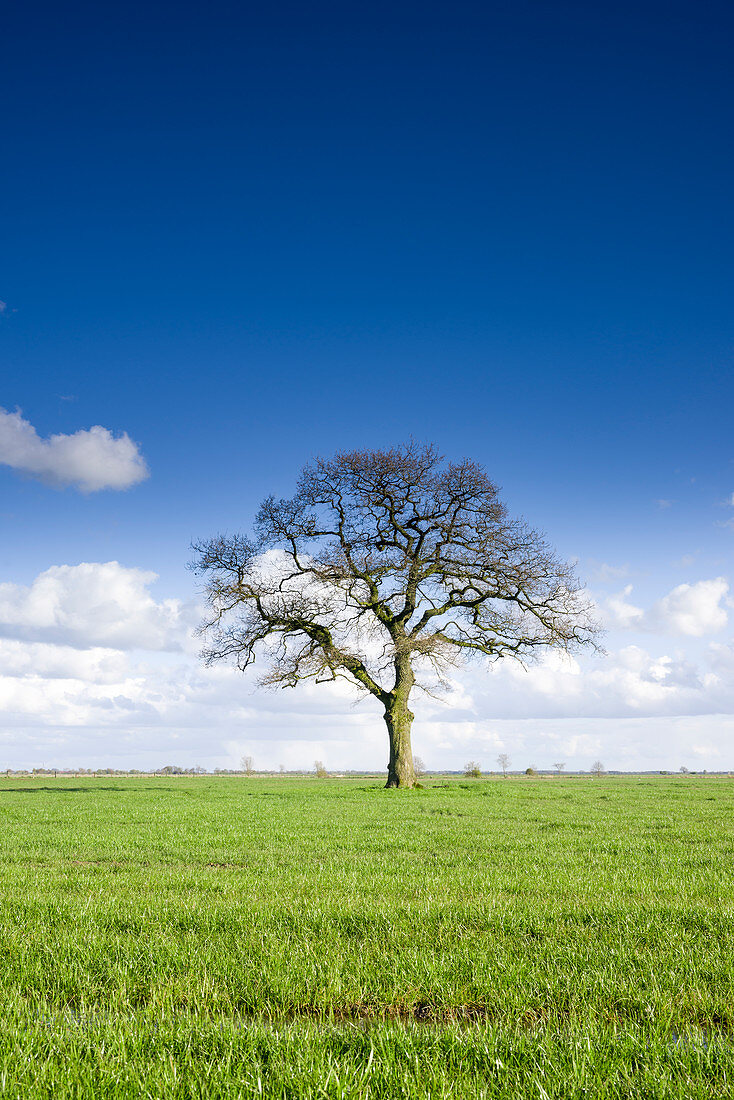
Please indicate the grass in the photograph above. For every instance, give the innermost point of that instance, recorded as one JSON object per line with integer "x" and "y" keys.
{"x": 237, "y": 938}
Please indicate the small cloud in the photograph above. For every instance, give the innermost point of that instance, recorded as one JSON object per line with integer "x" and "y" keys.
{"x": 665, "y": 503}
{"x": 90, "y": 459}
{"x": 67, "y": 397}
{"x": 603, "y": 573}
{"x": 3, "y": 306}
{"x": 686, "y": 561}
{"x": 621, "y": 612}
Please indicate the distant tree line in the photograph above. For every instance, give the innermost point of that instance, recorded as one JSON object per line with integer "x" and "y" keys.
{"x": 472, "y": 770}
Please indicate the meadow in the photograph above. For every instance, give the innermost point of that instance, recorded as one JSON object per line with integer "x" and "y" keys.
{"x": 283, "y": 938}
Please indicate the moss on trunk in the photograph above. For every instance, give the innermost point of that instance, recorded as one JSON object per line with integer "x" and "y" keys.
{"x": 400, "y": 772}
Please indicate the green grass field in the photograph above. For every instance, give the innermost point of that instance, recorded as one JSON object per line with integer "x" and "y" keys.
{"x": 236, "y": 938}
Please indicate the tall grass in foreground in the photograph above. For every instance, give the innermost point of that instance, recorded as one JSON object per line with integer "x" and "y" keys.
{"x": 294, "y": 938}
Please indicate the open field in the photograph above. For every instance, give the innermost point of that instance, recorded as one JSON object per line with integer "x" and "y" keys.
{"x": 236, "y": 938}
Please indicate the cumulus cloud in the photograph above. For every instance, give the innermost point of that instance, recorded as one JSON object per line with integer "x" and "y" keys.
{"x": 43, "y": 661}
{"x": 692, "y": 610}
{"x": 99, "y": 706}
{"x": 90, "y": 459}
{"x": 95, "y": 671}
{"x": 94, "y": 604}
{"x": 629, "y": 682}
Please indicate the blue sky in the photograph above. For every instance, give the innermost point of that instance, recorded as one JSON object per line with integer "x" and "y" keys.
{"x": 244, "y": 237}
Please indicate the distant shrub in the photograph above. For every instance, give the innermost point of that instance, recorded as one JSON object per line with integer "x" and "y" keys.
{"x": 321, "y": 772}
{"x": 530, "y": 771}
{"x": 473, "y": 770}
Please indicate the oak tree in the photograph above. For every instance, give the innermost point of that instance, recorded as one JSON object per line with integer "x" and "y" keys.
{"x": 387, "y": 566}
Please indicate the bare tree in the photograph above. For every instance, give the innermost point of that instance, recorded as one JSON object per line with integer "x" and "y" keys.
{"x": 683, "y": 769}
{"x": 597, "y": 769}
{"x": 419, "y": 768}
{"x": 384, "y": 567}
{"x": 504, "y": 762}
{"x": 559, "y": 768}
{"x": 473, "y": 770}
{"x": 248, "y": 765}
{"x": 321, "y": 772}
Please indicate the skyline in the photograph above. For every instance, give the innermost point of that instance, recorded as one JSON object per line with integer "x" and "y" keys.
{"x": 232, "y": 244}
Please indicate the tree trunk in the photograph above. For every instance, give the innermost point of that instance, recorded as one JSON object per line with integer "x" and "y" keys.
{"x": 400, "y": 768}
{"x": 399, "y": 719}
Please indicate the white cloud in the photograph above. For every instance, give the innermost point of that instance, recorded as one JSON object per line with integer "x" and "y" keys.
{"x": 95, "y": 671}
{"x": 629, "y": 681}
{"x": 165, "y": 708}
{"x": 94, "y": 604}
{"x": 721, "y": 658}
{"x": 90, "y": 459}
{"x": 43, "y": 661}
{"x": 691, "y": 610}
{"x": 620, "y": 613}
{"x": 603, "y": 573}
